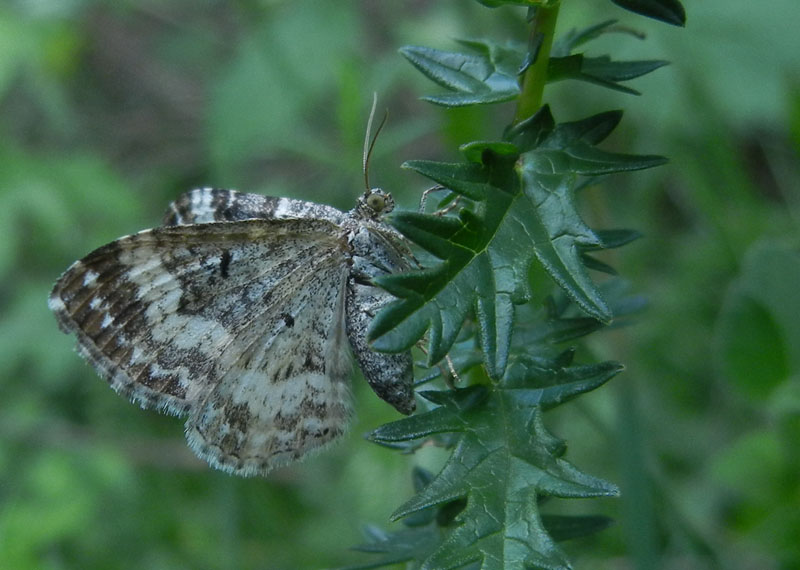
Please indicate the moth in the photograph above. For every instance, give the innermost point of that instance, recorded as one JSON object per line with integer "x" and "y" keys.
{"x": 241, "y": 312}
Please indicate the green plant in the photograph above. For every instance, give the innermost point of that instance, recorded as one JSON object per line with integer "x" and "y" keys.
{"x": 499, "y": 347}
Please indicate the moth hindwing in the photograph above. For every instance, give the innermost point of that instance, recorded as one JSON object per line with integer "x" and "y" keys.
{"x": 242, "y": 312}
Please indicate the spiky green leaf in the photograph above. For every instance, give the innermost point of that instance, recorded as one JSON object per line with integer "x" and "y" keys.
{"x": 489, "y": 75}
{"x": 600, "y": 70}
{"x": 522, "y": 208}
{"x": 503, "y": 462}
{"x": 488, "y": 72}
{"x": 564, "y": 45}
{"x": 483, "y": 268}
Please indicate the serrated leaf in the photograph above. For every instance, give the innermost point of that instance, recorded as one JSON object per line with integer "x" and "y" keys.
{"x": 448, "y": 417}
{"x": 564, "y": 45}
{"x": 523, "y": 209}
{"x": 591, "y": 130}
{"x": 474, "y": 151}
{"x": 556, "y": 331}
{"x": 587, "y": 160}
{"x": 464, "y": 99}
{"x": 503, "y": 461}
{"x": 596, "y": 265}
{"x": 489, "y": 76}
{"x": 558, "y": 235}
{"x": 529, "y": 133}
{"x": 616, "y": 291}
{"x": 605, "y": 69}
{"x": 611, "y": 239}
{"x": 569, "y": 148}
{"x": 600, "y": 70}
{"x": 479, "y": 272}
{"x": 555, "y": 382}
{"x": 669, "y": 11}
{"x": 489, "y": 73}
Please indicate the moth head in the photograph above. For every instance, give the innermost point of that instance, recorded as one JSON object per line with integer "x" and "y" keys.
{"x": 374, "y": 203}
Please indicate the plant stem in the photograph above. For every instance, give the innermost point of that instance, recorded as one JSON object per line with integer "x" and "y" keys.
{"x": 534, "y": 77}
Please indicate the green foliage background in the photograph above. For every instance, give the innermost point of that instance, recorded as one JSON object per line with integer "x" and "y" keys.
{"x": 110, "y": 110}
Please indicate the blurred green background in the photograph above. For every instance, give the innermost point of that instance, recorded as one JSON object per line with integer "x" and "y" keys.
{"x": 109, "y": 110}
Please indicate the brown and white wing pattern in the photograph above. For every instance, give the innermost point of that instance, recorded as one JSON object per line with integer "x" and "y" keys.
{"x": 239, "y": 324}
{"x": 204, "y": 205}
{"x": 376, "y": 250}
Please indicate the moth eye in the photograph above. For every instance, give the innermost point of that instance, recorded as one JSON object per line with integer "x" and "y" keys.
{"x": 376, "y": 202}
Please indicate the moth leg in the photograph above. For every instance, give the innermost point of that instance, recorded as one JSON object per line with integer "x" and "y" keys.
{"x": 447, "y": 370}
{"x": 425, "y": 194}
{"x": 441, "y": 212}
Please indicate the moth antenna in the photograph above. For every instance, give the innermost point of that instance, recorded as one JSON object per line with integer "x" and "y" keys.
{"x": 370, "y": 145}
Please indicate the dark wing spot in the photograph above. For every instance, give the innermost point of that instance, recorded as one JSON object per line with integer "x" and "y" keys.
{"x": 311, "y": 364}
{"x": 224, "y": 263}
{"x": 238, "y": 417}
{"x": 288, "y": 319}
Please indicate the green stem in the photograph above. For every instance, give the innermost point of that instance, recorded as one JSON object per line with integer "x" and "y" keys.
{"x": 534, "y": 77}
